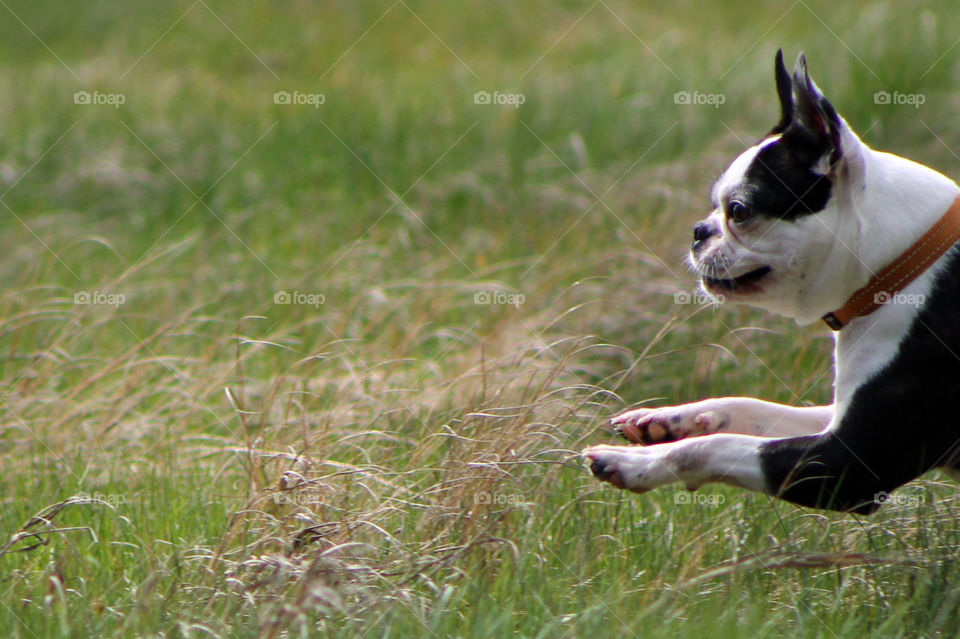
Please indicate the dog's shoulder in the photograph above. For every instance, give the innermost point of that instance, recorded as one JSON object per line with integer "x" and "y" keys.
{"x": 913, "y": 398}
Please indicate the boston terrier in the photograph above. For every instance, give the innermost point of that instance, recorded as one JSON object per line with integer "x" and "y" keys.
{"x": 811, "y": 223}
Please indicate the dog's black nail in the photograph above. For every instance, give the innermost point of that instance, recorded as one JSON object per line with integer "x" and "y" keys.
{"x": 598, "y": 467}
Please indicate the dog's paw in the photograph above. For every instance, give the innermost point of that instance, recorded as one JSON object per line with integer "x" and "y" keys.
{"x": 629, "y": 467}
{"x": 668, "y": 424}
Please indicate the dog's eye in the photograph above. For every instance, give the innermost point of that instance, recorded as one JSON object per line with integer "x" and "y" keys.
{"x": 739, "y": 212}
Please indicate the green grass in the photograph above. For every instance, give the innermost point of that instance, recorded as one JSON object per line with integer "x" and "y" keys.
{"x": 398, "y": 460}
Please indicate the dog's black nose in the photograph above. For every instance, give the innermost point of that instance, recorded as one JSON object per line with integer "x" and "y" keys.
{"x": 702, "y": 232}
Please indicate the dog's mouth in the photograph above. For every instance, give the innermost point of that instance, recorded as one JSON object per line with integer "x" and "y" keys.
{"x": 735, "y": 283}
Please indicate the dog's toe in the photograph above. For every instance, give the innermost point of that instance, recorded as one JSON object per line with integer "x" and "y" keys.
{"x": 656, "y": 426}
{"x": 629, "y": 431}
{"x": 604, "y": 468}
{"x": 656, "y": 431}
{"x": 598, "y": 467}
{"x": 648, "y": 429}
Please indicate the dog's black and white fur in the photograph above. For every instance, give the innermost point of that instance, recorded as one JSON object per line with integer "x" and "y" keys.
{"x": 802, "y": 220}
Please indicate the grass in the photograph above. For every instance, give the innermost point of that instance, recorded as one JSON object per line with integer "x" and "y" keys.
{"x": 393, "y": 459}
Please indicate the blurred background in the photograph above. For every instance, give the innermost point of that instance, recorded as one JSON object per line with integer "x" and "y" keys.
{"x": 307, "y": 308}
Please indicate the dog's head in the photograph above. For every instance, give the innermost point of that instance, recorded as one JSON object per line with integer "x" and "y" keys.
{"x": 777, "y": 218}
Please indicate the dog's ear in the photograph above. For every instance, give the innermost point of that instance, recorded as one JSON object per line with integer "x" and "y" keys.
{"x": 815, "y": 128}
{"x": 785, "y": 92}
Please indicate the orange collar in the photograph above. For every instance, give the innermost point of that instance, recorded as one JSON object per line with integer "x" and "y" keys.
{"x": 895, "y": 277}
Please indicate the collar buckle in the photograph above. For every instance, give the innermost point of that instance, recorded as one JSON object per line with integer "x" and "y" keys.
{"x": 832, "y": 321}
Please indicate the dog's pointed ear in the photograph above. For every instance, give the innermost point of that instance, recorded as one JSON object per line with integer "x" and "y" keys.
{"x": 785, "y": 92}
{"x": 816, "y": 127}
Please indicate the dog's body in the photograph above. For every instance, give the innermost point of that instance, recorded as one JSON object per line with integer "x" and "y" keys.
{"x": 802, "y": 221}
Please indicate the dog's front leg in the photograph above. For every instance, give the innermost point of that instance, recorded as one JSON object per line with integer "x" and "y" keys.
{"x": 741, "y": 415}
{"x": 821, "y": 470}
{"x": 730, "y": 459}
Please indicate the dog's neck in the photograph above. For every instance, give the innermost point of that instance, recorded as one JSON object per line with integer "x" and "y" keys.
{"x": 900, "y": 201}
{"x": 888, "y": 203}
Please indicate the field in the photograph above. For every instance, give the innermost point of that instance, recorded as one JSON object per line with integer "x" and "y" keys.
{"x": 308, "y": 308}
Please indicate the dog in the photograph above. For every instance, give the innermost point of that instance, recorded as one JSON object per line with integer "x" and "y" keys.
{"x": 811, "y": 223}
